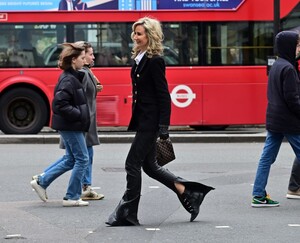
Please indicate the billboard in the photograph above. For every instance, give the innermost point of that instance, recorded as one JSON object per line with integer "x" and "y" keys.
{"x": 200, "y": 4}
{"x": 50, "y": 5}
{"x": 73, "y": 5}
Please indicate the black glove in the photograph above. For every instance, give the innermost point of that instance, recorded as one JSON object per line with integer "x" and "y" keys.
{"x": 163, "y": 132}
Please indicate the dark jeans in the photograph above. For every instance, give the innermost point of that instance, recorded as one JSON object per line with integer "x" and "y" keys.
{"x": 294, "y": 183}
{"x": 268, "y": 157}
{"x": 142, "y": 154}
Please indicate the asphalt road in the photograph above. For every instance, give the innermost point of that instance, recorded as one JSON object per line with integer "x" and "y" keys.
{"x": 225, "y": 216}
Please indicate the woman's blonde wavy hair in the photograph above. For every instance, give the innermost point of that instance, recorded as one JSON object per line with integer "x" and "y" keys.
{"x": 155, "y": 36}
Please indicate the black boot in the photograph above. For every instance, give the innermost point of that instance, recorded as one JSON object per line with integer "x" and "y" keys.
{"x": 193, "y": 196}
{"x": 125, "y": 213}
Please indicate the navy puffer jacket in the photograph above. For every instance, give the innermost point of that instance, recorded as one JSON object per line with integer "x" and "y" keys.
{"x": 283, "y": 110}
{"x": 69, "y": 105}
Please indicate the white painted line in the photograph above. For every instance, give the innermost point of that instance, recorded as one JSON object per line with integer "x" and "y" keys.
{"x": 96, "y": 187}
{"x": 223, "y": 227}
{"x": 294, "y": 225}
{"x": 15, "y": 236}
{"x": 153, "y": 229}
{"x": 154, "y": 187}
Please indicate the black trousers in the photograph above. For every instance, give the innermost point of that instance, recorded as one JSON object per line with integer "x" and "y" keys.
{"x": 142, "y": 154}
{"x": 294, "y": 183}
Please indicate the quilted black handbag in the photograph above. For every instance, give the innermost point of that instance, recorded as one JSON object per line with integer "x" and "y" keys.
{"x": 164, "y": 151}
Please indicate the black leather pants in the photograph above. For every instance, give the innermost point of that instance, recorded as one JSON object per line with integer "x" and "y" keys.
{"x": 294, "y": 183}
{"x": 142, "y": 154}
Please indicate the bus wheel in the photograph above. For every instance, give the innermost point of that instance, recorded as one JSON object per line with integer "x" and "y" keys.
{"x": 23, "y": 111}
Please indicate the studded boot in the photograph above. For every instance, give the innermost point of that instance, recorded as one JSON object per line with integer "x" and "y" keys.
{"x": 193, "y": 196}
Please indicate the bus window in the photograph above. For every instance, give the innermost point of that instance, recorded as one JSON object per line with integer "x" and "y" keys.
{"x": 181, "y": 39}
{"x": 111, "y": 42}
{"x": 24, "y": 45}
{"x": 230, "y": 43}
{"x": 218, "y": 43}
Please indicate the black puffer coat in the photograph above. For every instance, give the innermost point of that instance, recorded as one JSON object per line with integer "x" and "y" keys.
{"x": 283, "y": 111}
{"x": 69, "y": 105}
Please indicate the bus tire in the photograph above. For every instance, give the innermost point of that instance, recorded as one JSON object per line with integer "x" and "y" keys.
{"x": 23, "y": 111}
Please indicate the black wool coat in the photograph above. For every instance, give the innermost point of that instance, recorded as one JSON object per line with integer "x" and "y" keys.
{"x": 151, "y": 102}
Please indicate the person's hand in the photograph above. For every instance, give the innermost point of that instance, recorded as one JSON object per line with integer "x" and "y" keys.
{"x": 163, "y": 132}
{"x": 99, "y": 87}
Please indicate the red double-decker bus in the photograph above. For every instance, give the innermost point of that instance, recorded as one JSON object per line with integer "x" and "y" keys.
{"x": 216, "y": 62}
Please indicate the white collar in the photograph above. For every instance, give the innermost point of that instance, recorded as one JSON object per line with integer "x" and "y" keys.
{"x": 139, "y": 57}
{"x": 70, "y": 5}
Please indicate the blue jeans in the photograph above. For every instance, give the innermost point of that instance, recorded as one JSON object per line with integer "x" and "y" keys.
{"x": 76, "y": 158}
{"x": 87, "y": 178}
{"x": 268, "y": 157}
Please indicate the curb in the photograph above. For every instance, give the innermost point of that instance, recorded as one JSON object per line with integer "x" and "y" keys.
{"x": 127, "y": 138}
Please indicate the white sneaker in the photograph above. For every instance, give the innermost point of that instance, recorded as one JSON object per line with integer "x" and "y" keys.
{"x": 39, "y": 190}
{"x": 90, "y": 194}
{"x": 293, "y": 195}
{"x": 74, "y": 203}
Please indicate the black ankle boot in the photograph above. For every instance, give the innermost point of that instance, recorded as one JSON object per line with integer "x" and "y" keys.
{"x": 193, "y": 196}
{"x": 191, "y": 201}
{"x": 125, "y": 213}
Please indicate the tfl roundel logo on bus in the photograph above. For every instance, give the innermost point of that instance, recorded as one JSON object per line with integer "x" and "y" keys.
{"x": 182, "y": 96}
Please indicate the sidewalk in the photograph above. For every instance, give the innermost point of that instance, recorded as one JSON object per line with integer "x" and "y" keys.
{"x": 177, "y": 134}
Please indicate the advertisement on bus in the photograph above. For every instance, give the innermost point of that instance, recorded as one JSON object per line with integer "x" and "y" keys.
{"x": 52, "y": 5}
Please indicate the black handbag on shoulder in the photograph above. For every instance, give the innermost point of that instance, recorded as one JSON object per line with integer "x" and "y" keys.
{"x": 164, "y": 151}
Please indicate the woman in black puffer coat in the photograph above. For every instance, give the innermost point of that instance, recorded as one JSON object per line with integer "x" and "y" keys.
{"x": 72, "y": 119}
